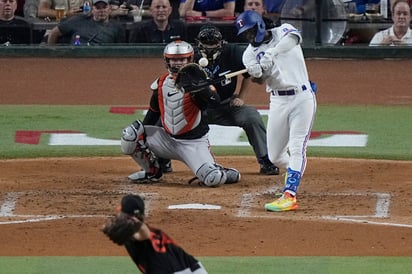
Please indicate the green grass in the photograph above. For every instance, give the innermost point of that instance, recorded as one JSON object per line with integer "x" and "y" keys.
{"x": 389, "y": 130}
{"x": 214, "y": 265}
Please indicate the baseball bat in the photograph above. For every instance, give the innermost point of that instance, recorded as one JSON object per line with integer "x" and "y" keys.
{"x": 191, "y": 84}
{"x": 205, "y": 83}
{"x": 233, "y": 74}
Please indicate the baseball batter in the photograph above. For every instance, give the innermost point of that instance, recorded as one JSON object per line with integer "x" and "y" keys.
{"x": 183, "y": 135}
{"x": 151, "y": 249}
{"x": 275, "y": 57}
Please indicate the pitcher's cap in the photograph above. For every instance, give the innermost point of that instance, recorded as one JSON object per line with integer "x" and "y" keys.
{"x": 97, "y": 1}
{"x": 132, "y": 204}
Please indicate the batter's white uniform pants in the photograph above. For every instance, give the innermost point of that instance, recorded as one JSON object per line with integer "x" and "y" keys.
{"x": 288, "y": 130}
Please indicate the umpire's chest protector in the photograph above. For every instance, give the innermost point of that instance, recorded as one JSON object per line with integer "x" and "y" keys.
{"x": 178, "y": 111}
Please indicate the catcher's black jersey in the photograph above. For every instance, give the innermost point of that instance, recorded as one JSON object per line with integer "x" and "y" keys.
{"x": 230, "y": 60}
{"x": 160, "y": 255}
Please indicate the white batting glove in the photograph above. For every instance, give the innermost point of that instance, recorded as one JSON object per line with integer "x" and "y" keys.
{"x": 266, "y": 62}
{"x": 255, "y": 70}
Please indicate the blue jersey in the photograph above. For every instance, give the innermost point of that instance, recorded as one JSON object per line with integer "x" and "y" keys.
{"x": 205, "y": 5}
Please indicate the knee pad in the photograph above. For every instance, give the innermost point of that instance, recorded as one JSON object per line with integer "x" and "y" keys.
{"x": 211, "y": 175}
{"x": 133, "y": 143}
{"x": 132, "y": 137}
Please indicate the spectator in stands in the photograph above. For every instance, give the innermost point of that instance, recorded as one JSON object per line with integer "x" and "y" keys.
{"x": 159, "y": 29}
{"x": 207, "y": 8}
{"x": 46, "y": 7}
{"x": 259, "y": 7}
{"x": 92, "y": 29}
{"x": 123, "y": 8}
{"x": 30, "y": 8}
{"x": 13, "y": 29}
{"x": 399, "y": 34}
{"x": 361, "y": 5}
{"x": 19, "y": 10}
{"x": 274, "y": 6}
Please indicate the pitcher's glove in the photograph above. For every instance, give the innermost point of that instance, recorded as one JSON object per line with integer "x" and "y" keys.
{"x": 121, "y": 228}
{"x": 191, "y": 78}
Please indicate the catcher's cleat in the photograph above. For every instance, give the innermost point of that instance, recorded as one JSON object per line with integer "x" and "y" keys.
{"x": 166, "y": 166}
{"x": 142, "y": 177}
{"x": 269, "y": 169}
{"x": 285, "y": 203}
{"x": 232, "y": 176}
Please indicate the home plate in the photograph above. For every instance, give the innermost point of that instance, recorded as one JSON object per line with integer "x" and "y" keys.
{"x": 194, "y": 206}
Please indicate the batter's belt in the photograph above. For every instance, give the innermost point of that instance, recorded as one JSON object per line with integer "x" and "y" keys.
{"x": 288, "y": 92}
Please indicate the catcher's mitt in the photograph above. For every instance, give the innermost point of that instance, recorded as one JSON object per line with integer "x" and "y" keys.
{"x": 121, "y": 228}
{"x": 191, "y": 78}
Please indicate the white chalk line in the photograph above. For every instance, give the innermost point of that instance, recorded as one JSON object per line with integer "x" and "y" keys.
{"x": 9, "y": 204}
{"x": 381, "y": 208}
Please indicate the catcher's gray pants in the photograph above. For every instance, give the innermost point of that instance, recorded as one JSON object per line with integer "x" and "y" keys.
{"x": 193, "y": 152}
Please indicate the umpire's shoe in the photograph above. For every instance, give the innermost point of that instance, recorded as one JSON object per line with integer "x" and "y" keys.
{"x": 266, "y": 167}
{"x": 166, "y": 165}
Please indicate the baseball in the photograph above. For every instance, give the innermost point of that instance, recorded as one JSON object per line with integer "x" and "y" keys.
{"x": 203, "y": 62}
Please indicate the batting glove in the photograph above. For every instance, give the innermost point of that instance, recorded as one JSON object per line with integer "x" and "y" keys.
{"x": 266, "y": 62}
{"x": 255, "y": 70}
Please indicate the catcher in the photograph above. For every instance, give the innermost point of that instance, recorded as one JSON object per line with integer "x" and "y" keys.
{"x": 150, "y": 249}
{"x": 178, "y": 99}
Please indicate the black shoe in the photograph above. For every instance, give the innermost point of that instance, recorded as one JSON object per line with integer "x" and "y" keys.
{"x": 269, "y": 169}
{"x": 166, "y": 166}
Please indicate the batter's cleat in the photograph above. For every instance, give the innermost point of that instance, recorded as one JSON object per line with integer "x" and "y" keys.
{"x": 269, "y": 169}
{"x": 285, "y": 203}
{"x": 232, "y": 176}
{"x": 142, "y": 177}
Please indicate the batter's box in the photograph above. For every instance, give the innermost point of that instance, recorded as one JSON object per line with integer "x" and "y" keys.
{"x": 321, "y": 205}
{"x": 60, "y": 203}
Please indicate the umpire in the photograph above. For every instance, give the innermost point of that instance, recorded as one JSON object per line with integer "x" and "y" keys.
{"x": 224, "y": 58}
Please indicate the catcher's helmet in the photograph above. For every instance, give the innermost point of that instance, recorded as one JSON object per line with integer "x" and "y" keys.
{"x": 177, "y": 50}
{"x": 250, "y": 19}
{"x": 209, "y": 42}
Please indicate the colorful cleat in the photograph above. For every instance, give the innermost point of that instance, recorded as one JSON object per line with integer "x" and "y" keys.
{"x": 285, "y": 203}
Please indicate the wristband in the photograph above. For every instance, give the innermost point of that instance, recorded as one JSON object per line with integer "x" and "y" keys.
{"x": 204, "y": 13}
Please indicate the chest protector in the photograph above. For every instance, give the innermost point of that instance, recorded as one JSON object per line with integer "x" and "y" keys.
{"x": 178, "y": 111}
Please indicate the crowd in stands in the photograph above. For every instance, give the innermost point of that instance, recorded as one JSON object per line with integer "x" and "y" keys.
{"x": 163, "y": 20}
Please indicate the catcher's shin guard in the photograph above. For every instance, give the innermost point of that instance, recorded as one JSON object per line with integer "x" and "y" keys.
{"x": 211, "y": 175}
{"x": 214, "y": 175}
{"x": 132, "y": 137}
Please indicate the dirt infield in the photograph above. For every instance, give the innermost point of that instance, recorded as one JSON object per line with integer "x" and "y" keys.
{"x": 347, "y": 207}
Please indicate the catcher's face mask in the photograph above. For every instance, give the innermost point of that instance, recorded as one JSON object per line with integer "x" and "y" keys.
{"x": 210, "y": 42}
{"x": 174, "y": 64}
{"x": 180, "y": 52}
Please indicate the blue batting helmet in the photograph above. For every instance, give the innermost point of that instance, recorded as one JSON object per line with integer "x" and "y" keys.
{"x": 249, "y": 19}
